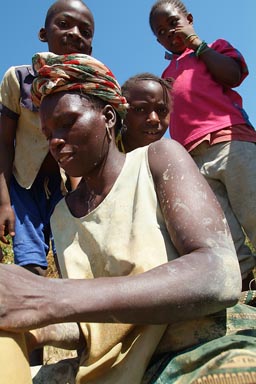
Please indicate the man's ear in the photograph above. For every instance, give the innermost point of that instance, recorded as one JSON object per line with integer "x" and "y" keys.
{"x": 190, "y": 18}
{"x": 42, "y": 35}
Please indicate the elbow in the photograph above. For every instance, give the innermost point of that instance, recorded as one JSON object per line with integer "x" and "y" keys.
{"x": 223, "y": 281}
{"x": 227, "y": 287}
{"x": 229, "y": 294}
{"x": 221, "y": 295}
{"x": 233, "y": 80}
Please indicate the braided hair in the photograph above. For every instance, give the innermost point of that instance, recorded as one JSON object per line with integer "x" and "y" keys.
{"x": 166, "y": 84}
{"x": 176, "y": 3}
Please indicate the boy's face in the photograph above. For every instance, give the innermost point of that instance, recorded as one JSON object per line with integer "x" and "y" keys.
{"x": 70, "y": 29}
{"x": 165, "y": 20}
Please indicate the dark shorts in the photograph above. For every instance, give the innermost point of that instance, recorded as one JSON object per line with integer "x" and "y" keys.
{"x": 33, "y": 208}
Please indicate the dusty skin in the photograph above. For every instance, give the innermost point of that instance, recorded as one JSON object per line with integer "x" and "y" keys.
{"x": 193, "y": 222}
{"x": 28, "y": 301}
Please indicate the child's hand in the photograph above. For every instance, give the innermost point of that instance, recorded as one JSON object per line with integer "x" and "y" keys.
{"x": 184, "y": 31}
{"x": 7, "y": 222}
{"x": 188, "y": 35}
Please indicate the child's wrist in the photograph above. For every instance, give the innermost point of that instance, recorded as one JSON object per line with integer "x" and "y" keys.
{"x": 192, "y": 41}
{"x": 201, "y": 48}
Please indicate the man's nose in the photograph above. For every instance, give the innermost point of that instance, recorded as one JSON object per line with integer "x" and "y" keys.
{"x": 74, "y": 32}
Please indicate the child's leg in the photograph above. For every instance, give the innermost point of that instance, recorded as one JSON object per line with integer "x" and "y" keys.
{"x": 29, "y": 244}
{"x": 14, "y": 359}
{"x": 216, "y": 163}
{"x": 241, "y": 185}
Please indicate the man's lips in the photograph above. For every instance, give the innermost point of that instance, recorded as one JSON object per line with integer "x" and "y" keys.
{"x": 74, "y": 46}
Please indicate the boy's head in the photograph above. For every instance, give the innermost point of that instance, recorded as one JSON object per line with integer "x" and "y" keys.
{"x": 69, "y": 28}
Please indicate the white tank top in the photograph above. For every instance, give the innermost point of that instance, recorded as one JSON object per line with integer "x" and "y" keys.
{"x": 125, "y": 234}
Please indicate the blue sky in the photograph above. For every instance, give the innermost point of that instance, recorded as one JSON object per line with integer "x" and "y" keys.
{"x": 123, "y": 39}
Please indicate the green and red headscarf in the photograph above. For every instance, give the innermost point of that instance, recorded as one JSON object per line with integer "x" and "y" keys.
{"x": 75, "y": 72}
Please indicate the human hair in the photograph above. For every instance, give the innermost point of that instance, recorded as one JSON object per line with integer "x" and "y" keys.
{"x": 176, "y": 3}
{"x": 166, "y": 84}
{"x": 54, "y": 8}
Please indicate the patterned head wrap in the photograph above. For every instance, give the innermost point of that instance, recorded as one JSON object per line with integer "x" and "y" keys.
{"x": 75, "y": 72}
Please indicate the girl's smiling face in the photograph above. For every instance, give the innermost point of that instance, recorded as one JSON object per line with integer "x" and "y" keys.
{"x": 148, "y": 115}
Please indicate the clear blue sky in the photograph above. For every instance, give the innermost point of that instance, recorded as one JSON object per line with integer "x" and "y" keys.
{"x": 123, "y": 39}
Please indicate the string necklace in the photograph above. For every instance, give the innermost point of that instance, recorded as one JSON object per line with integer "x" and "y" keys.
{"x": 119, "y": 142}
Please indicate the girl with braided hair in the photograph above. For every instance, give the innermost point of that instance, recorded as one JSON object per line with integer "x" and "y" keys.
{"x": 148, "y": 114}
{"x": 208, "y": 119}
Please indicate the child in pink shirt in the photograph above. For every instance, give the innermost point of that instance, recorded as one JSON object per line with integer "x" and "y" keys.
{"x": 208, "y": 119}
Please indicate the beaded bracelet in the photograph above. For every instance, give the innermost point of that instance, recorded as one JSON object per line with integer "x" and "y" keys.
{"x": 202, "y": 47}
